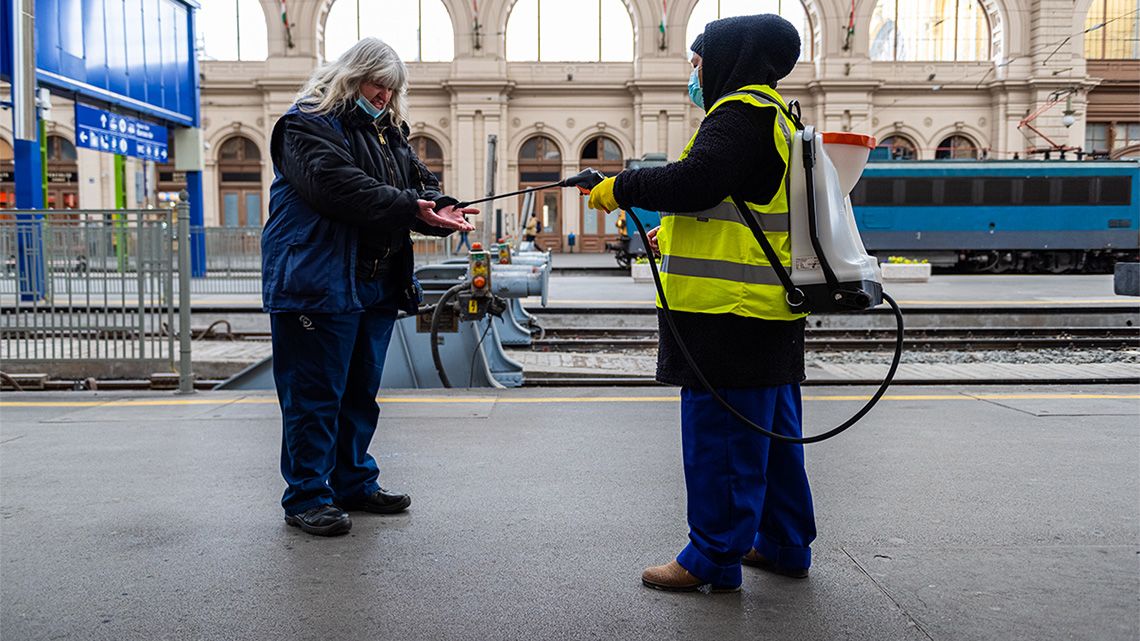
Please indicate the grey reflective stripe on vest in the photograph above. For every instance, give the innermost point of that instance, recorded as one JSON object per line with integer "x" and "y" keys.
{"x": 722, "y": 269}
{"x": 727, "y": 211}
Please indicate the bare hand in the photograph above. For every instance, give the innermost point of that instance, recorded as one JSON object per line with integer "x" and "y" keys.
{"x": 448, "y": 217}
{"x": 652, "y": 233}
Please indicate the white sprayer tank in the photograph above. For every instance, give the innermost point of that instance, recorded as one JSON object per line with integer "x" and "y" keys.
{"x": 839, "y": 161}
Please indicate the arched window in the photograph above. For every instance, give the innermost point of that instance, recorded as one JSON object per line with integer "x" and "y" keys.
{"x": 239, "y": 185}
{"x": 540, "y": 162}
{"x": 791, "y": 10}
{"x": 957, "y": 147}
{"x": 604, "y": 154}
{"x": 899, "y": 148}
{"x": 419, "y": 30}
{"x": 570, "y": 30}
{"x": 232, "y": 30}
{"x": 60, "y": 149}
{"x": 1118, "y": 35}
{"x": 943, "y": 30}
{"x": 63, "y": 174}
{"x": 430, "y": 153}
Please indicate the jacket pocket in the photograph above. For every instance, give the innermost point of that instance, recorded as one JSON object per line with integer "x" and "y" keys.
{"x": 306, "y": 270}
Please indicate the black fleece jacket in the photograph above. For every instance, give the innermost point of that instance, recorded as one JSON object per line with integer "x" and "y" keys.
{"x": 734, "y": 152}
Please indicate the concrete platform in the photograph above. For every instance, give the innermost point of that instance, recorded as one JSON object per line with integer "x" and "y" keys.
{"x": 963, "y": 514}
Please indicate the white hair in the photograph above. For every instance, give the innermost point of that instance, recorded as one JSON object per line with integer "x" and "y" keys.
{"x": 336, "y": 85}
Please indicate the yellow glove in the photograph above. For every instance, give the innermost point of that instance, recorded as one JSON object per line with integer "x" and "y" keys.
{"x": 602, "y": 196}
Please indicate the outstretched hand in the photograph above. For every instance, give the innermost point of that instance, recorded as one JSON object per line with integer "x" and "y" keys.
{"x": 449, "y": 217}
{"x": 652, "y": 234}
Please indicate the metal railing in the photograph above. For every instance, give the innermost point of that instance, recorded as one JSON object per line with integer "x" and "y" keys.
{"x": 233, "y": 259}
{"x": 92, "y": 286}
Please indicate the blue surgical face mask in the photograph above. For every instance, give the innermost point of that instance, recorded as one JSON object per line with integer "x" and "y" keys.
{"x": 695, "y": 92}
{"x": 370, "y": 108}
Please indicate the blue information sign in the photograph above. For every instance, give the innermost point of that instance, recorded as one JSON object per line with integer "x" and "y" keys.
{"x": 117, "y": 134}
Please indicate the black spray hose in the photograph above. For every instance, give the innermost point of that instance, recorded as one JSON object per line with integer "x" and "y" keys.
{"x": 732, "y": 410}
{"x": 436, "y": 315}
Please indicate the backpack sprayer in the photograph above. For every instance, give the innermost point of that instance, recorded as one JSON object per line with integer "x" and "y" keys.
{"x": 830, "y": 271}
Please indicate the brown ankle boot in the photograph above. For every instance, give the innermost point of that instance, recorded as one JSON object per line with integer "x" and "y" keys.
{"x": 757, "y": 560}
{"x": 671, "y": 577}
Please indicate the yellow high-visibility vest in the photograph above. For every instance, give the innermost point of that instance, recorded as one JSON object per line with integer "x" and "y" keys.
{"x": 710, "y": 261}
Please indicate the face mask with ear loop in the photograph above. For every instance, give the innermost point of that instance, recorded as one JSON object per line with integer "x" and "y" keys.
{"x": 696, "y": 93}
{"x": 370, "y": 108}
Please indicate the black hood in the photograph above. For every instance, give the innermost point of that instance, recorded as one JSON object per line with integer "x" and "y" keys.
{"x": 747, "y": 50}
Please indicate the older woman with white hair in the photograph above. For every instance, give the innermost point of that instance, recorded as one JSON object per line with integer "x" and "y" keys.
{"x": 336, "y": 269}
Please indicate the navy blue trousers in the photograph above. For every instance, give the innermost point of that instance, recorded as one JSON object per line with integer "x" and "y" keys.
{"x": 744, "y": 489}
{"x": 327, "y": 371}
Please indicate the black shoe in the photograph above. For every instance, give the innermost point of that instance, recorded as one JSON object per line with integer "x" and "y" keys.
{"x": 379, "y": 502}
{"x": 323, "y": 520}
{"x": 757, "y": 560}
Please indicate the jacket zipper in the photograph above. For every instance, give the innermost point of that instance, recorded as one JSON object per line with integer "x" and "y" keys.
{"x": 384, "y": 151}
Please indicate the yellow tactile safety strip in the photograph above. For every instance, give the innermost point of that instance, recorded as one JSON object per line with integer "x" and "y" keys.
{"x": 552, "y": 400}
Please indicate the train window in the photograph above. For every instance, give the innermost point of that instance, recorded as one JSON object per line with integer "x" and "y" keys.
{"x": 997, "y": 191}
{"x": 1076, "y": 191}
{"x": 880, "y": 191}
{"x": 1115, "y": 190}
{"x": 918, "y": 191}
{"x": 958, "y": 191}
{"x": 1035, "y": 191}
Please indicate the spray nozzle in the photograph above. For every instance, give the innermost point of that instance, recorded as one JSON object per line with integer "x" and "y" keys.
{"x": 584, "y": 180}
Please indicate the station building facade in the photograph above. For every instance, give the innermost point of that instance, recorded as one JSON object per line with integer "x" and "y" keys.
{"x": 928, "y": 78}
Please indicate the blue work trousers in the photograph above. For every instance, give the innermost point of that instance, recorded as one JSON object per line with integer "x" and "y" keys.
{"x": 744, "y": 489}
{"x": 327, "y": 370}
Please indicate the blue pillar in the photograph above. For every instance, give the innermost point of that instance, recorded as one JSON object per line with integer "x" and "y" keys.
{"x": 197, "y": 224}
{"x": 30, "y": 227}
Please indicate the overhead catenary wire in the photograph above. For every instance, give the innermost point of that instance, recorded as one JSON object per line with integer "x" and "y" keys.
{"x": 992, "y": 68}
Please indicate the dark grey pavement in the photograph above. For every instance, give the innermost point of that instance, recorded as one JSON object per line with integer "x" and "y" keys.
{"x": 956, "y": 514}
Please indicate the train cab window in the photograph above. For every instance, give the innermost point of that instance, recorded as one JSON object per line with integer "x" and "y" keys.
{"x": 1115, "y": 190}
{"x": 958, "y": 191}
{"x": 918, "y": 191}
{"x": 880, "y": 191}
{"x": 997, "y": 191}
{"x": 1035, "y": 191}
{"x": 1076, "y": 191}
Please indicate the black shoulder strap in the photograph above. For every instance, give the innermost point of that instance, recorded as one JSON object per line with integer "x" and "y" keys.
{"x": 791, "y": 111}
{"x": 794, "y": 296}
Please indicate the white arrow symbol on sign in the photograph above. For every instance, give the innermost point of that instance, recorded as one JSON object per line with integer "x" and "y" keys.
{"x": 83, "y": 137}
{"x": 103, "y": 120}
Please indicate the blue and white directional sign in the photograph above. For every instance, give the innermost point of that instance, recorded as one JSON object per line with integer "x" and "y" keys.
{"x": 116, "y": 134}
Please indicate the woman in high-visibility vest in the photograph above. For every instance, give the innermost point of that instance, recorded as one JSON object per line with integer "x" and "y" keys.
{"x": 748, "y": 497}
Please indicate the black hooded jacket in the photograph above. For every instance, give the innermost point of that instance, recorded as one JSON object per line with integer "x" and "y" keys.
{"x": 733, "y": 152}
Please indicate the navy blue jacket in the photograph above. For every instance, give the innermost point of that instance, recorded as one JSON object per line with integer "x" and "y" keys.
{"x": 343, "y": 198}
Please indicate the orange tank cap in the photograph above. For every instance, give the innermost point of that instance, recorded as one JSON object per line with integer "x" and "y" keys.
{"x": 847, "y": 138}
{"x": 476, "y": 247}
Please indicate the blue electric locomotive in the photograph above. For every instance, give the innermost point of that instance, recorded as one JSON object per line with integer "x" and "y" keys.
{"x": 998, "y": 216}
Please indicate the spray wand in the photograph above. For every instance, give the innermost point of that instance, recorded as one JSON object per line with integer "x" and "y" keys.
{"x": 584, "y": 180}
